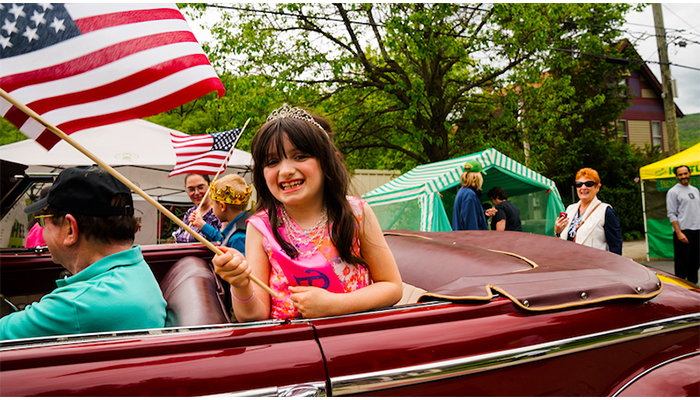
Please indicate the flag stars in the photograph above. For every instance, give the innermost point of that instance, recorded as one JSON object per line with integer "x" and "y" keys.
{"x": 38, "y": 18}
{"x": 46, "y": 6}
{"x": 9, "y": 27}
{"x": 5, "y": 42}
{"x": 57, "y": 25}
{"x": 17, "y": 11}
{"x": 30, "y": 34}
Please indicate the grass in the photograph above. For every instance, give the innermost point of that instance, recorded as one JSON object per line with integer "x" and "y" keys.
{"x": 688, "y": 130}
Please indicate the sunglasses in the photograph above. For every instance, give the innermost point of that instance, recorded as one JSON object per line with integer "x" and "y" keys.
{"x": 587, "y": 183}
{"x": 41, "y": 218}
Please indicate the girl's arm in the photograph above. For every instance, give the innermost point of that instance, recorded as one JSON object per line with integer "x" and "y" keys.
{"x": 250, "y": 303}
{"x": 386, "y": 289}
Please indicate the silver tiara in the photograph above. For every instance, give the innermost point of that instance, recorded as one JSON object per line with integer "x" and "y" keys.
{"x": 293, "y": 112}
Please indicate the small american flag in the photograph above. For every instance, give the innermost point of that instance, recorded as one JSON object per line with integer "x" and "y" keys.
{"x": 202, "y": 154}
{"x": 85, "y": 65}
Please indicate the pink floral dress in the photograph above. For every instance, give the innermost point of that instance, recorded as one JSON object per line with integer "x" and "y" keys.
{"x": 352, "y": 277}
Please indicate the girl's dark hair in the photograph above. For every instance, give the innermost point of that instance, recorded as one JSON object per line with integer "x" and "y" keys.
{"x": 206, "y": 177}
{"x": 308, "y": 138}
{"x": 107, "y": 230}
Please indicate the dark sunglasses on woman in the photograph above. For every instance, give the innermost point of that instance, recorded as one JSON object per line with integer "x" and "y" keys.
{"x": 587, "y": 183}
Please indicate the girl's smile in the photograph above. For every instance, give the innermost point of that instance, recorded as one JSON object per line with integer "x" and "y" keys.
{"x": 294, "y": 178}
{"x": 292, "y": 185}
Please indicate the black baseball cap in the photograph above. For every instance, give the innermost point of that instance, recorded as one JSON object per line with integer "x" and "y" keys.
{"x": 85, "y": 191}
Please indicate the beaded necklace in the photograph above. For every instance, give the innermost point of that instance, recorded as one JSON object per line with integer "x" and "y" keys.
{"x": 299, "y": 237}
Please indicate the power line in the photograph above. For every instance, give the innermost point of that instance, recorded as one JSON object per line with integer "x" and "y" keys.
{"x": 678, "y": 16}
{"x": 601, "y": 56}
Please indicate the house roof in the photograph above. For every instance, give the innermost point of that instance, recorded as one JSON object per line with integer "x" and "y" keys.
{"x": 649, "y": 76}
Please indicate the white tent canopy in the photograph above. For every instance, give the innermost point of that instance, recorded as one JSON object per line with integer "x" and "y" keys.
{"x": 138, "y": 149}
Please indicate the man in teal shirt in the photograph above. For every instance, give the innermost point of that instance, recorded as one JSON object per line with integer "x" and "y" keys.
{"x": 89, "y": 229}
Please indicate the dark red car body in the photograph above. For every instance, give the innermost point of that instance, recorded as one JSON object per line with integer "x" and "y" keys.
{"x": 634, "y": 344}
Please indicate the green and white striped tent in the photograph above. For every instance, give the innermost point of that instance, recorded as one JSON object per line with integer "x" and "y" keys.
{"x": 423, "y": 198}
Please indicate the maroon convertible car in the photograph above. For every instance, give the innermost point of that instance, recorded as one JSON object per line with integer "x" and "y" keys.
{"x": 483, "y": 314}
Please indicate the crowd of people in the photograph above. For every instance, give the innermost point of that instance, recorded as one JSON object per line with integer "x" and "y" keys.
{"x": 322, "y": 251}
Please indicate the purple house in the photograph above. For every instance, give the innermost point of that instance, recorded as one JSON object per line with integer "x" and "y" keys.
{"x": 644, "y": 121}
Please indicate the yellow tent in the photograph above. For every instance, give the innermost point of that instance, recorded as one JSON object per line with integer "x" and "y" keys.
{"x": 664, "y": 168}
{"x": 656, "y": 180}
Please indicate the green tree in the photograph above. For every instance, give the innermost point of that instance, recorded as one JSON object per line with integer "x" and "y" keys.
{"x": 398, "y": 78}
{"x": 246, "y": 97}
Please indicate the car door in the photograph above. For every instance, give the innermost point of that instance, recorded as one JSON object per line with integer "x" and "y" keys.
{"x": 269, "y": 358}
{"x": 494, "y": 349}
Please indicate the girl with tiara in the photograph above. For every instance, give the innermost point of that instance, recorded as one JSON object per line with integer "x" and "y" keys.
{"x": 321, "y": 250}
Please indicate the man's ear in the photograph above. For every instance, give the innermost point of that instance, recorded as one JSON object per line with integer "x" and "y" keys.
{"x": 70, "y": 227}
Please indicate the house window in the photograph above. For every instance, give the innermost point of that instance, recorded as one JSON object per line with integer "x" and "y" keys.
{"x": 656, "y": 136}
{"x": 622, "y": 130}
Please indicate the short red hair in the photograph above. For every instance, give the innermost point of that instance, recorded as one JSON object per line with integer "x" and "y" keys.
{"x": 589, "y": 173}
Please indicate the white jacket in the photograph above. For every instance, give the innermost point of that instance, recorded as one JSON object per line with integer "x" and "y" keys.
{"x": 591, "y": 232}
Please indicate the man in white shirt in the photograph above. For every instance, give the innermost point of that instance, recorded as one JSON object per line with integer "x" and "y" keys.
{"x": 683, "y": 210}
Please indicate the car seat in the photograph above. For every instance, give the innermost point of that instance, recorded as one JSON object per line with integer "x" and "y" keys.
{"x": 190, "y": 289}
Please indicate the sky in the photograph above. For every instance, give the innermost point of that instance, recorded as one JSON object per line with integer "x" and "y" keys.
{"x": 682, "y": 22}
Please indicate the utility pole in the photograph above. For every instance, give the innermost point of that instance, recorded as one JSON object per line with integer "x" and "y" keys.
{"x": 667, "y": 93}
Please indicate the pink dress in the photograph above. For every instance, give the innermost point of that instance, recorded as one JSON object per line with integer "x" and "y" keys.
{"x": 35, "y": 237}
{"x": 347, "y": 277}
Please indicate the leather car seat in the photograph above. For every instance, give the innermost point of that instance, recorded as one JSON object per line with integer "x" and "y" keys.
{"x": 190, "y": 289}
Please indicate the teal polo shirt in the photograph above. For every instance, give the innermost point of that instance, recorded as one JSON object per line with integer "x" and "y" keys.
{"x": 118, "y": 292}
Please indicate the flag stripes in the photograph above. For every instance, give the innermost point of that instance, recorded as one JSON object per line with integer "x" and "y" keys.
{"x": 98, "y": 64}
{"x": 202, "y": 154}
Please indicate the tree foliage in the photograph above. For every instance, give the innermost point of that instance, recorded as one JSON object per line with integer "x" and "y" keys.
{"x": 417, "y": 83}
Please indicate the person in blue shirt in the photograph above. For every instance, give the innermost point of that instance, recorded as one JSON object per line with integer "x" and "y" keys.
{"x": 468, "y": 212}
{"x": 89, "y": 228}
{"x": 230, "y": 196}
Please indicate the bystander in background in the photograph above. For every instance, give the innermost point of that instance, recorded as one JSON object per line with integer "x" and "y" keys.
{"x": 683, "y": 210}
{"x": 504, "y": 215}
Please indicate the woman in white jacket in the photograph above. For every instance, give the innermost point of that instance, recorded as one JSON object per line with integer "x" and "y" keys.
{"x": 590, "y": 221}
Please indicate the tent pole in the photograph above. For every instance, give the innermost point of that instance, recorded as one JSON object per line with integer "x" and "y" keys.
{"x": 644, "y": 217}
{"x": 32, "y": 114}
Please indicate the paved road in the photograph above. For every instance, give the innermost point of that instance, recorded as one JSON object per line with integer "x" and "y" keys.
{"x": 637, "y": 251}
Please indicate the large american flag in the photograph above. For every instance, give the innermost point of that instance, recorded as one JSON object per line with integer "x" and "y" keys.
{"x": 202, "y": 154}
{"x": 86, "y": 65}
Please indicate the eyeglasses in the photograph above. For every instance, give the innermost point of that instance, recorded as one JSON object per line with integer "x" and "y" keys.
{"x": 41, "y": 218}
{"x": 587, "y": 183}
{"x": 192, "y": 189}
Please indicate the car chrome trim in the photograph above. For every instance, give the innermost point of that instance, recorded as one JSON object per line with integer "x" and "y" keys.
{"x": 309, "y": 389}
{"x": 641, "y": 375}
{"x": 47, "y": 341}
{"x": 382, "y": 310}
{"x": 366, "y": 382}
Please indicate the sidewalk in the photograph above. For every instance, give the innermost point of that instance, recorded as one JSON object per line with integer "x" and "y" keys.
{"x": 636, "y": 250}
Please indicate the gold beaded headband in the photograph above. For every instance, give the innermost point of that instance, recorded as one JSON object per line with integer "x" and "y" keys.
{"x": 293, "y": 112}
{"x": 230, "y": 196}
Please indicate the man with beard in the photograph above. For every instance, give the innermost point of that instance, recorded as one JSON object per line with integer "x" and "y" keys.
{"x": 683, "y": 210}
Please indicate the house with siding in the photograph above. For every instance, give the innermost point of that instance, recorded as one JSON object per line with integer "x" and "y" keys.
{"x": 644, "y": 121}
